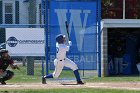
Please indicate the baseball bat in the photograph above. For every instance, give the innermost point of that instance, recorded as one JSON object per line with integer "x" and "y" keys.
{"x": 67, "y": 29}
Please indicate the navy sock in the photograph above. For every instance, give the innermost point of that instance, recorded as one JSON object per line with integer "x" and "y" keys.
{"x": 49, "y": 76}
{"x": 77, "y": 75}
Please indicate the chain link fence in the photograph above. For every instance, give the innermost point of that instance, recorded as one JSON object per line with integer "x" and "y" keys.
{"x": 22, "y": 33}
{"x": 17, "y": 18}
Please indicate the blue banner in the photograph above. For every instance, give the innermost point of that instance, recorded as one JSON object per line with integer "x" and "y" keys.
{"x": 82, "y": 23}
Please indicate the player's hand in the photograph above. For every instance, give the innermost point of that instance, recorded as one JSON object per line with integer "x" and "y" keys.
{"x": 1, "y": 71}
{"x": 70, "y": 43}
{"x": 16, "y": 67}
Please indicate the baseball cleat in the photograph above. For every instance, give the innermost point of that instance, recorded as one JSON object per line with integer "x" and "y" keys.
{"x": 3, "y": 83}
{"x": 80, "y": 83}
{"x": 44, "y": 80}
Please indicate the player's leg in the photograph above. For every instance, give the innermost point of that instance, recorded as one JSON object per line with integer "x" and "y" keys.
{"x": 58, "y": 69}
{"x": 1, "y": 77}
{"x": 116, "y": 65}
{"x": 120, "y": 65}
{"x": 70, "y": 64}
{"x": 8, "y": 75}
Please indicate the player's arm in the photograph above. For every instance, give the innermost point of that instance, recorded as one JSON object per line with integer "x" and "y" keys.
{"x": 12, "y": 65}
{"x": 70, "y": 43}
{"x": 1, "y": 71}
{"x": 68, "y": 46}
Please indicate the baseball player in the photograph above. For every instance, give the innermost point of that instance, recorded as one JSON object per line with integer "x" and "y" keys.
{"x": 5, "y": 61}
{"x": 61, "y": 60}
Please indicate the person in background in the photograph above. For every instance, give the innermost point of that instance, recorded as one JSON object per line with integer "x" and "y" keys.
{"x": 5, "y": 62}
{"x": 118, "y": 56}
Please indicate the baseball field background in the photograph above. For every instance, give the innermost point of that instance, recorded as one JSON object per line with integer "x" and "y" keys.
{"x": 28, "y": 29}
{"x": 66, "y": 83}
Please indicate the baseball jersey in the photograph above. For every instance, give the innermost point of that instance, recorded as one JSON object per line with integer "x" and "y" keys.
{"x": 5, "y": 63}
{"x": 61, "y": 50}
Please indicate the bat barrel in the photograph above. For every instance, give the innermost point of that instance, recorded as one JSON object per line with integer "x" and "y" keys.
{"x": 67, "y": 29}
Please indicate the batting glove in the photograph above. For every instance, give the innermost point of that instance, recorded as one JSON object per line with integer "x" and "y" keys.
{"x": 70, "y": 43}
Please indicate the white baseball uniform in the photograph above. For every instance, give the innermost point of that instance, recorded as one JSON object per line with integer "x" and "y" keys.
{"x": 61, "y": 59}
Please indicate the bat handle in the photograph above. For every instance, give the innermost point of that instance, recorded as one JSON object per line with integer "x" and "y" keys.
{"x": 69, "y": 38}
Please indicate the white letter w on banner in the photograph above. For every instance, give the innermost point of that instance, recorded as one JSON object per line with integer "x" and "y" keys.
{"x": 75, "y": 21}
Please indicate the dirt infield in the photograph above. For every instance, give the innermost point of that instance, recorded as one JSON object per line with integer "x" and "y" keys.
{"x": 52, "y": 85}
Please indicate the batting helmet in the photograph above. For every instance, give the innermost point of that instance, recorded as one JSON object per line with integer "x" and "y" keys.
{"x": 60, "y": 38}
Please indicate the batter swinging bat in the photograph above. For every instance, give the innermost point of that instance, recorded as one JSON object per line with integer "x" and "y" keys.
{"x": 67, "y": 29}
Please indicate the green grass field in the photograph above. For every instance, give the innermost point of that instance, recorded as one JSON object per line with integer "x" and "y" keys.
{"x": 85, "y": 90}
{"x": 21, "y": 77}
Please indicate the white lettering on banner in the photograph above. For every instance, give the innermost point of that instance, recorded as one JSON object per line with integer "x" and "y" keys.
{"x": 75, "y": 21}
{"x": 31, "y": 41}
{"x": 70, "y": 57}
{"x": 25, "y": 41}
{"x": 76, "y": 58}
{"x": 52, "y": 57}
{"x": 82, "y": 59}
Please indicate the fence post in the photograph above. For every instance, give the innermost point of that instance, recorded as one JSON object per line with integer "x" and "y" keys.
{"x": 99, "y": 38}
{"x": 46, "y": 36}
{"x": 24, "y": 60}
{"x": 32, "y": 12}
{"x": 30, "y": 66}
